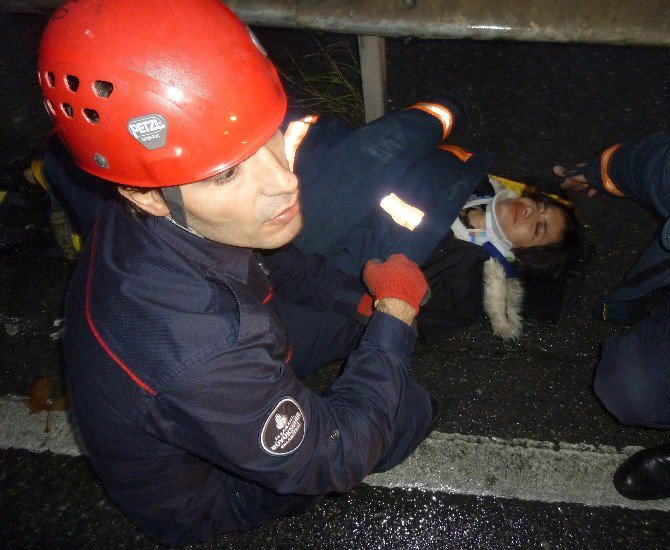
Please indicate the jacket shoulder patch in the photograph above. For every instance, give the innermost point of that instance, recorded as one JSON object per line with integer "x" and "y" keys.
{"x": 284, "y": 429}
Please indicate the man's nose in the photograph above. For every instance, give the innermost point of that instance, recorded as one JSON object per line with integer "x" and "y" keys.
{"x": 283, "y": 182}
{"x": 529, "y": 211}
{"x": 278, "y": 179}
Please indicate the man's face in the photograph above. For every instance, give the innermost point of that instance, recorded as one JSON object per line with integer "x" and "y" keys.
{"x": 527, "y": 222}
{"x": 254, "y": 205}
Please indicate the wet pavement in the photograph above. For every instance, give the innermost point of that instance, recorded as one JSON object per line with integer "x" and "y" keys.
{"x": 535, "y": 104}
{"x": 69, "y": 510}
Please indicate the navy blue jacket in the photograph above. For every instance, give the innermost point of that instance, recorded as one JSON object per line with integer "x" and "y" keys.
{"x": 179, "y": 383}
{"x": 346, "y": 171}
{"x": 640, "y": 171}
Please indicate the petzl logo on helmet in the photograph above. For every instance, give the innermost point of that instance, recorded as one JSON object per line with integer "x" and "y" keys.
{"x": 149, "y": 130}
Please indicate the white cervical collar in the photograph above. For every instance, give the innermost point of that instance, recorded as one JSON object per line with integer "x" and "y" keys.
{"x": 493, "y": 232}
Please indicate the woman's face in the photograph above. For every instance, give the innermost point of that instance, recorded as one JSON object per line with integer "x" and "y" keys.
{"x": 527, "y": 222}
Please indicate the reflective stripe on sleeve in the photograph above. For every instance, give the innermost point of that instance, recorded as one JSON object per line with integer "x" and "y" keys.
{"x": 455, "y": 150}
{"x": 403, "y": 214}
{"x": 440, "y": 112}
{"x": 295, "y": 133}
{"x": 604, "y": 164}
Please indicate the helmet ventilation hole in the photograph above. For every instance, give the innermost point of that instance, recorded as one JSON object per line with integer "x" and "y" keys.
{"x": 50, "y": 107}
{"x": 103, "y": 88}
{"x": 50, "y": 78}
{"x": 67, "y": 109}
{"x": 92, "y": 115}
{"x": 72, "y": 83}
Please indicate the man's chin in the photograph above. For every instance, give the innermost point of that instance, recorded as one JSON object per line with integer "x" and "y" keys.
{"x": 285, "y": 235}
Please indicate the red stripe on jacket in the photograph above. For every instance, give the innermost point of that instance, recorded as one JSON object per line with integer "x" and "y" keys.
{"x": 94, "y": 330}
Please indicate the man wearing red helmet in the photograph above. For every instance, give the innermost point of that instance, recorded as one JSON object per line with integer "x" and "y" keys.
{"x": 183, "y": 362}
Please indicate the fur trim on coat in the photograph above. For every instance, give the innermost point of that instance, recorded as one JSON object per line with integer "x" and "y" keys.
{"x": 503, "y": 298}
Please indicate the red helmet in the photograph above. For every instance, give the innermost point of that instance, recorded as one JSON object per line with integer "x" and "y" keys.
{"x": 155, "y": 93}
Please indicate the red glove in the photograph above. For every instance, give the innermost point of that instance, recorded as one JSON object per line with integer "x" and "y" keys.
{"x": 365, "y": 306}
{"x": 397, "y": 277}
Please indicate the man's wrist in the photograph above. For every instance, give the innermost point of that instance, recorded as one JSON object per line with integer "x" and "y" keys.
{"x": 396, "y": 308}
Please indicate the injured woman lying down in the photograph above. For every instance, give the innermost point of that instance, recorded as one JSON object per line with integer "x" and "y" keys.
{"x": 489, "y": 246}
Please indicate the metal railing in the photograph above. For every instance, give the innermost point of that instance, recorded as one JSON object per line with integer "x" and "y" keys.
{"x": 631, "y": 22}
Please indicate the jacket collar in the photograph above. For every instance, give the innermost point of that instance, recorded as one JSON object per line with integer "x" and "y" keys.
{"x": 220, "y": 260}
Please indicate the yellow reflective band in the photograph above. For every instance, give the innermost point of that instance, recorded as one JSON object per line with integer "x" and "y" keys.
{"x": 295, "y": 133}
{"x": 442, "y": 113}
{"x": 37, "y": 170}
{"x": 77, "y": 242}
{"x": 403, "y": 214}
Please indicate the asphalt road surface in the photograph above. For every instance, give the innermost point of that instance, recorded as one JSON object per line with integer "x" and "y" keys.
{"x": 523, "y": 457}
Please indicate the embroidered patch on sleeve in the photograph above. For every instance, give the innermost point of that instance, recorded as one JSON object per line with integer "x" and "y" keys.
{"x": 284, "y": 429}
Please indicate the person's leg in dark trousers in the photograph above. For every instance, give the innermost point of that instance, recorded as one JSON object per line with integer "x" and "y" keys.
{"x": 633, "y": 375}
{"x": 317, "y": 338}
{"x": 633, "y": 382}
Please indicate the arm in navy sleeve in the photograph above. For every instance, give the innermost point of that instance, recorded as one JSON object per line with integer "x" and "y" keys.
{"x": 372, "y": 417}
{"x": 308, "y": 279}
{"x": 397, "y": 139}
{"x": 344, "y": 172}
{"x": 639, "y": 170}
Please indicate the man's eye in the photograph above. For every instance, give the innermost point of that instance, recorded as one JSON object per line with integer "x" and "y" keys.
{"x": 227, "y": 176}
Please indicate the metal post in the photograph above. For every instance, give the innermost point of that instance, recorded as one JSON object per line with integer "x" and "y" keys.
{"x": 372, "y": 51}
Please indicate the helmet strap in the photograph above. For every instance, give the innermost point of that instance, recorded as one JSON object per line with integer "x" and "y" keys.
{"x": 175, "y": 203}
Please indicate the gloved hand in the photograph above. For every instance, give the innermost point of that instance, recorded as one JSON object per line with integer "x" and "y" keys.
{"x": 397, "y": 277}
{"x": 575, "y": 179}
{"x": 365, "y": 307}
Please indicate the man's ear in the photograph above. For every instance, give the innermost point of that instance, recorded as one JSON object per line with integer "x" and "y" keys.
{"x": 149, "y": 200}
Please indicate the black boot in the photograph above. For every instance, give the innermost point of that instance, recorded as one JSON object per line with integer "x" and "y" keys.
{"x": 645, "y": 475}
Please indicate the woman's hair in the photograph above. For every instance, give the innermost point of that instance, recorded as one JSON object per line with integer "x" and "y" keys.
{"x": 549, "y": 261}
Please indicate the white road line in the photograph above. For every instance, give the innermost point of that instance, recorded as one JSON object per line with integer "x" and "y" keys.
{"x": 21, "y": 430}
{"x": 514, "y": 468}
